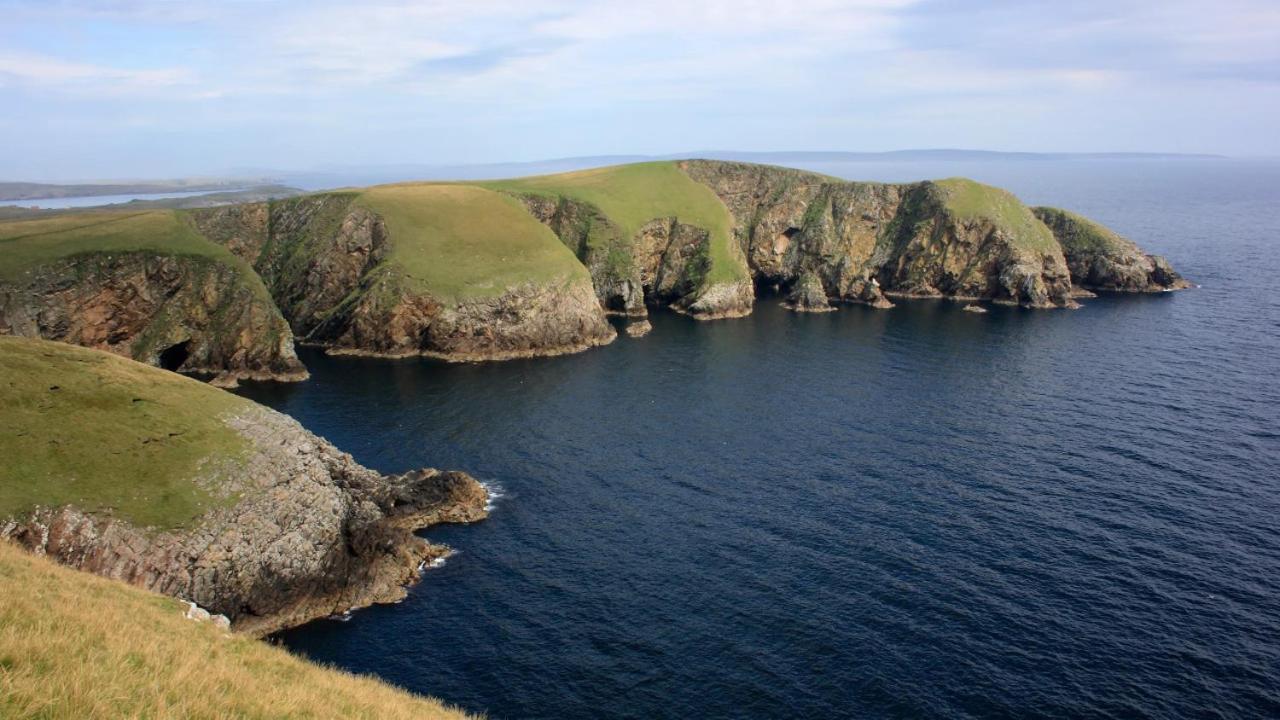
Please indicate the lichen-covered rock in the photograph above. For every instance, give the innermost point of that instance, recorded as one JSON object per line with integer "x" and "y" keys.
{"x": 312, "y": 533}
{"x": 638, "y": 328}
{"x": 665, "y": 263}
{"x": 184, "y": 312}
{"x": 1100, "y": 259}
{"x": 808, "y": 295}
{"x": 952, "y": 238}
{"x": 329, "y": 262}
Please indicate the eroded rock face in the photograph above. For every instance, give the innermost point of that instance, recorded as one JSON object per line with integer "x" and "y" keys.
{"x": 184, "y": 313}
{"x": 1100, "y": 259}
{"x": 312, "y": 533}
{"x": 808, "y": 295}
{"x": 862, "y": 241}
{"x": 664, "y": 264}
{"x": 324, "y": 260}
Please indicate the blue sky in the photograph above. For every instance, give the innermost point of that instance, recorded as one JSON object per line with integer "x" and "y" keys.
{"x": 159, "y": 88}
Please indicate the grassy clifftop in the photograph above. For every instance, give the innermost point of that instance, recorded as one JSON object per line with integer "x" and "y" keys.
{"x": 633, "y": 195}
{"x": 107, "y": 434}
{"x": 73, "y": 645}
{"x": 459, "y": 242}
{"x": 25, "y": 244}
{"x": 970, "y": 200}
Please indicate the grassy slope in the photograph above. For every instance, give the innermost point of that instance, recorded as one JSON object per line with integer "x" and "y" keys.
{"x": 1079, "y": 233}
{"x": 458, "y": 242}
{"x": 74, "y": 645}
{"x": 25, "y": 244}
{"x": 969, "y": 200}
{"x": 103, "y": 433}
{"x": 632, "y": 195}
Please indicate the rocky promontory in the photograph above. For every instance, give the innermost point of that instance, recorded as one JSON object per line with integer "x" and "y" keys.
{"x": 145, "y": 286}
{"x": 1100, "y": 259}
{"x": 453, "y": 272}
{"x": 181, "y": 488}
{"x": 865, "y": 241}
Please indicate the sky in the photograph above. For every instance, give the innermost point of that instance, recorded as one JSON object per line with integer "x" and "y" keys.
{"x": 160, "y": 88}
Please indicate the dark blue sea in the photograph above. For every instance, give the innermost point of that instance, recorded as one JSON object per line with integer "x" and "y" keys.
{"x": 918, "y": 512}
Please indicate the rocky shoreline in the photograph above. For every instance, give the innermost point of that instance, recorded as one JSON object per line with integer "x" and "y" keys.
{"x": 323, "y": 270}
{"x": 312, "y": 534}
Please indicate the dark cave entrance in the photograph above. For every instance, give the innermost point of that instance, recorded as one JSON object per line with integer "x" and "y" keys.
{"x": 172, "y": 357}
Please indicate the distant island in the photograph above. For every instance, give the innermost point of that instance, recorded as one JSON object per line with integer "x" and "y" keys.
{"x": 40, "y": 191}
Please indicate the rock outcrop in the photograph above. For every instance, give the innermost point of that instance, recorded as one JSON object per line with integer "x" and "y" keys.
{"x": 312, "y": 533}
{"x": 863, "y": 241}
{"x": 1100, "y": 259}
{"x": 808, "y": 295}
{"x": 330, "y": 264}
{"x": 183, "y": 312}
{"x": 666, "y": 263}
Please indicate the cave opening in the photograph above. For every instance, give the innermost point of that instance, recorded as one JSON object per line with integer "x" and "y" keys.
{"x": 172, "y": 357}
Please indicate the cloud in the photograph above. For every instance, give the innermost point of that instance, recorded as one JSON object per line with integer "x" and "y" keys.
{"x": 55, "y": 72}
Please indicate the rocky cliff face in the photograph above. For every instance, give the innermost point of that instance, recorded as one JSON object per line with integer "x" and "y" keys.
{"x": 311, "y": 533}
{"x": 664, "y": 264}
{"x": 863, "y": 241}
{"x": 1099, "y": 259}
{"x": 183, "y": 312}
{"x": 328, "y": 263}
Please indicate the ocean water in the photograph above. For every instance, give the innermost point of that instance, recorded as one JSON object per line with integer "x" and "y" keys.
{"x": 918, "y": 512}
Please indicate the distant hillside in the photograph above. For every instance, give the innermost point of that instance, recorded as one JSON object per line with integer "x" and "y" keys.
{"x": 40, "y": 191}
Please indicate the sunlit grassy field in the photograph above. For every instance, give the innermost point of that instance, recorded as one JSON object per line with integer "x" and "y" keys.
{"x": 75, "y": 646}
{"x": 103, "y": 433}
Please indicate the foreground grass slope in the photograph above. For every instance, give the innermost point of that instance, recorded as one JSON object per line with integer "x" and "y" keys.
{"x": 106, "y": 434}
{"x": 73, "y": 646}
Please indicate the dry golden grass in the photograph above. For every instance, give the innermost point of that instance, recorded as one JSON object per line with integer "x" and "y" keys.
{"x": 77, "y": 646}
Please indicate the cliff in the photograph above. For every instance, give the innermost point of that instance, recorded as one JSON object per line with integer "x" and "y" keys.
{"x": 1099, "y": 259}
{"x": 166, "y": 483}
{"x": 862, "y": 241}
{"x": 146, "y": 286}
{"x": 649, "y": 236}
{"x": 531, "y": 266}
{"x": 449, "y": 271}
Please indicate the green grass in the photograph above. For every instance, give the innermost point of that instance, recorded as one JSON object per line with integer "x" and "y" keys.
{"x": 633, "y": 195}
{"x": 1079, "y": 233}
{"x": 969, "y": 200}
{"x": 106, "y": 434}
{"x": 27, "y": 244}
{"x": 459, "y": 242}
{"x": 74, "y": 645}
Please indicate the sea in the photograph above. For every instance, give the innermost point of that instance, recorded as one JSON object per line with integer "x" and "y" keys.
{"x": 918, "y": 512}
